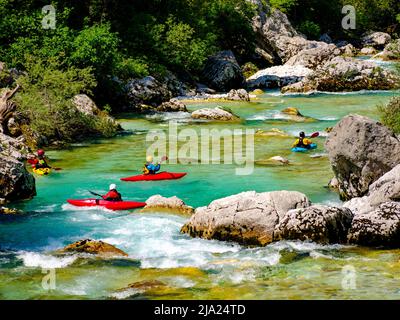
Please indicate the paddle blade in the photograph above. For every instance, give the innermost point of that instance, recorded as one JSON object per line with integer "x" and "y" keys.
{"x": 314, "y": 135}
{"x": 57, "y": 169}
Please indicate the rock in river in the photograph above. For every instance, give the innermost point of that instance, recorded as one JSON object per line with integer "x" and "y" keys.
{"x": 94, "y": 247}
{"x": 317, "y": 223}
{"x": 361, "y": 150}
{"x": 174, "y": 204}
{"x": 248, "y": 218}
{"x": 217, "y": 114}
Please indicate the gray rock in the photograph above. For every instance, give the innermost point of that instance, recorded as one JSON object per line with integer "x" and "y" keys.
{"x": 172, "y": 105}
{"x": 174, "y": 204}
{"x": 385, "y": 189}
{"x": 248, "y": 218}
{"x": 277, "y": 76}
{"x": 376, "y": 39}
{"x": 348, "y": 50}
{"x": 346, "y": 74}
{"x": 391, "y": 51}
{"x": 380, "y": 227}
{"x": 217, "y": 114}
{"x": 317, "y": 223}
{"x": 16, "y": 182}
{"x": 222, "y": 72}
{"x": 368, "y": 51}
{"x": 147, "y": 91}
{"x": 238, "y": 95}
{"x": 314, "y": 57}
{"x": 361, "y": 150}
{"x": 325, "y": 38}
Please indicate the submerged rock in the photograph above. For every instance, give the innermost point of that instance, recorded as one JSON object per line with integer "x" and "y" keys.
{"x": 295, "y": 115}
{"x": 174, "y": 204}
{"x": 317, "y": 223}
{"x": 380, "y": 227}
{"x": 94, "y": 247}
{"x": 248, "y": 218}
{"x": 361, "y": 150}
{"x": 217, "y": 114}
{"x": 222, "y": 72}
{"x": 9, "y": 211}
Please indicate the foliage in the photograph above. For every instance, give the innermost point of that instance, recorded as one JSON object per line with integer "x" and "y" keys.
{"x": 310, "y": 29}
{"x": 390, "y": 114}
{"x": 45, "y": 100}
{"x": 249, "y": 69}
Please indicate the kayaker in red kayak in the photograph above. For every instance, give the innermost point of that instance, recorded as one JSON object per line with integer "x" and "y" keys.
{"x": 113, "y": 194}
{"x": 150, "y": 167}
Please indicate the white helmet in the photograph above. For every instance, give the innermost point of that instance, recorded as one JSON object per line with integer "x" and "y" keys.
{"x": 113, "y": 186}
{"x": 149, "y": 158}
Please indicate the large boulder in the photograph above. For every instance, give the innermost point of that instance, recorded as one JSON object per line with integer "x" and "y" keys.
{"x": 314, "y": 57}
{"x": 147, "y": 91}
{"x": 378, "y": 40}
{"x": 248, "y": 218}
{"x": 222, "y": 72}
{"x": 380, "y": 227}
{"x": 173, "y": 204}
{"x": 216, "y": 114}
{"x": 361, "y": 150}
{"x": 277, "y": 76}
{"x": 346, "y": 74}
{"x": 93, "y": 247}
{"x": 16, "y": 182}
{"x": 317, "y": 223}
{"x": 88, "y": 107}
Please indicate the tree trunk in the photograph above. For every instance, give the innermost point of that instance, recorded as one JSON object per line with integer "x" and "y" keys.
{"x": 7, "y": 108}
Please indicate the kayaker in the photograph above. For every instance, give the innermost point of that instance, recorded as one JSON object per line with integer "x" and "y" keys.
{"x": 150, "y": 167}
{"x": 113, "y": 194}
{"x": 302, "y": 141}
{"x": 39, "y": 162}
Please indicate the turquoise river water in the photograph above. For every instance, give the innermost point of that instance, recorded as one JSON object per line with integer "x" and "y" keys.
{"x": 165, "y": 264}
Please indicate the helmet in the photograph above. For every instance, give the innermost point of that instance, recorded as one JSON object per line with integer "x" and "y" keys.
{"x": 113, "y": 186}
{"x": 40, "y": 152}
{"x": 302, "y": 134}
{"x": 149, "y": 159}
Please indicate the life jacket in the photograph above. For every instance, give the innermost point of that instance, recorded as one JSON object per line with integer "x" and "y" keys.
{"x": 113, "y": 195}
{"x": 145, "y": 170}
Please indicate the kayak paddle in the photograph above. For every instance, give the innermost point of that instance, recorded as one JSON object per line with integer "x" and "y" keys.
{"x": 164, "y": 158}
{"x": 95, "y": 194}
{"x": 314, "y": 135}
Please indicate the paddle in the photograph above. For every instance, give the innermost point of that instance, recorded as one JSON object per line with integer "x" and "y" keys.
{"x": 315, "y": 135}
{"x": 96, "y": 194}
{"x": 164, "y": 158}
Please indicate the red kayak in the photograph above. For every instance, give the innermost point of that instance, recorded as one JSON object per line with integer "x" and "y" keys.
{"x": 157, "y": 176}
{"x": 111, "y": 205}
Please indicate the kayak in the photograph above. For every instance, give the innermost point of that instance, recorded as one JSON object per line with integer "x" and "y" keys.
{"x": 155, "y": 177}
{"x": 300, "y": 149}
{"x": 42, "y": 171}
{"x": 111, "y": 205}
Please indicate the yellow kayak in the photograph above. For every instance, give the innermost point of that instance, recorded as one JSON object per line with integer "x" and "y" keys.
{"x": 42, "y": 171}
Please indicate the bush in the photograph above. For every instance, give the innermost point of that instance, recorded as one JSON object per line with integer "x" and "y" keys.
{"x": 390, "y": 114}
{"x": 249, "y": 69}
{"x": 45, "y": 101}
{"x": 310, "y": 29}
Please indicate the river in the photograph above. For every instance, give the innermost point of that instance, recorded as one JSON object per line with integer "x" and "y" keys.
{"x": 187, "y": 268}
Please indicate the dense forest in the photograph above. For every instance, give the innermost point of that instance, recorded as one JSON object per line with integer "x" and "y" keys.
{"x": 98, "y": 45}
